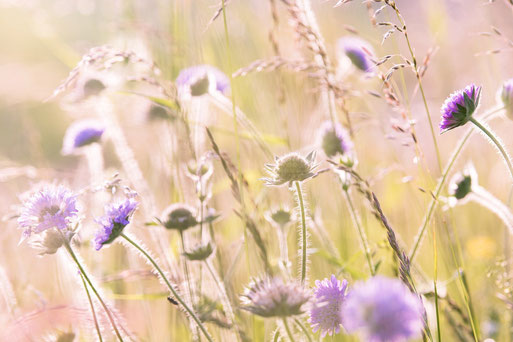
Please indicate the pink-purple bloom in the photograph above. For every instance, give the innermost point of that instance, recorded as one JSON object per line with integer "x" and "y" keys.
{"x": 325, "y": 313}
{"x": 272, "y": 297}
{"x": 334, "y": 139}
{"x": 117, "y": 217}
{"x": 358, "y": 51}
{"x": 459, "y": 107}
{"x": 50, "y": 206}
{"x": 382, "y": 310}
{"x": 82, "y": 133}
{"x": 194, "y": 76}
{"x": 507, "y": 97}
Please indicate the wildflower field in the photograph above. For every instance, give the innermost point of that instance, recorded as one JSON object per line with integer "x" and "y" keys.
{"x": 256, "y": 170}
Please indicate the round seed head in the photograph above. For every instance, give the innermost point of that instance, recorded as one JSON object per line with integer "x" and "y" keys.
{"x": 462, "y": 182}
{"x": 199, "y": 252}
{"x": 290, "y": 168}
{"x": 179, "y": 216}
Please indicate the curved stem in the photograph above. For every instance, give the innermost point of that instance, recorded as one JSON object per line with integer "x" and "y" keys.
{"x": 441, "y": 183}
{"x": 84, "y": 274}
{"x": 363, "y": 238}
{"x": 305, "y": 331}
{"x": 96, "y": 325}
{"x": 303, "y": 231}
{"x": 496, "y": 142}
{"x": 287, "y": 329}
{"x": 284, "y": 250}
{"x": 173, "y": 291}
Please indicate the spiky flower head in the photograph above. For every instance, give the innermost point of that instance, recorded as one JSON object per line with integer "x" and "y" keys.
{"x": 382, "y": 310}
{"x": 200, "y": 79}
{"x": 81, "y": 133}
{"x": 290, "y": 168}
{"x": 459, "y": 107}
{"x": 47, "y": 216}
{"x": 506, "y": 95}
{"x": 50, "y": 206}
{"x": 329, "y": 295}
{"x": 179, "y": 216}
{"x": 200, "y": 252}
{"x": 462, "y": 182}
{"x": 334, "y": 139}
{"x": 117, "y": 216}
{"x": 358, "y": 51}
{"x": 272, "y": 297}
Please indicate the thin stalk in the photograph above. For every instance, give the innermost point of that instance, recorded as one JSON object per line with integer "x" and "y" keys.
{"x": 284, "y": 250}
{"x": 84, "y": 274}
{"x": 96, "y": 325}
{"x": 305, "y": 331}
{"x": 470, "y": 306}
{"x": 496, "y": 142}
{"x": 287, "y": 329}
{"x": 363, "y": 238}
{"x": 441, "y": 182}
{"x": 421, "y": 88}
{"x": 303, "y": 231}
{"x": 435, "y": 277}
{"x": 224, "y": 296}
{"x": 173, "y": 291}
{"x": 186, "y": 271}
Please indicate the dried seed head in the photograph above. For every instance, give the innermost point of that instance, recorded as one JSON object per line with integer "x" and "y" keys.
{"x": 459, "y": 107}
{"x": 334, "y": 139}
{"x": 290, "y": 168}
{"x": 179, "y": 216}
{"x": 199, "y": 252}
{"x": 462, "y": 182}
{"x": 200, "y": 79}
{"x": 279, "y": 217}
{"x": 158, "y": 112}
{"x": 92, "y": 87}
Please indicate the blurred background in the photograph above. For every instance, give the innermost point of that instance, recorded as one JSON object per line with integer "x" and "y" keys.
{"x": 43, "y": 40}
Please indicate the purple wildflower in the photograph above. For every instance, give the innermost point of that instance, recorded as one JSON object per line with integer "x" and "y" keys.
{"x": 334, "y": 139}
{"x": 459, "y": 107}
{"x": 197, "y": 79}
{"x": 81, "y": 133}
{"x": 116, "y": 218}
{"x": 358, "y": 51}
{"x": 382, "y": 310}
{"x": 507, "y": 97}
{"x": 325, "y": 312}
{"x": 50, "y": 206}
{"x": 271, "y": 297}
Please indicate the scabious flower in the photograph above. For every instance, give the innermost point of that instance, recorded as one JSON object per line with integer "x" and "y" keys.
{"x": 329, "y": 295}
{"x": 179, "y": 216}
{"x": 199, "y": 252}
{"x": 506, "y": 96}
{"x": 47, "y": 216}
{"x": 334, "y": 139}
{"x": 199, "y": 79}
{"x": 279, "y": 217}
{"x": 272, "y": 297}
{"x": 117, "y": 217}
{"x": 51, "y": 206}
{"x": 290, "y": 168}
{"x": 358, "y": 51}
{"x": 382, "y": 310}
{"x": 459, "y": 107}
{"x": 82, "y": 133}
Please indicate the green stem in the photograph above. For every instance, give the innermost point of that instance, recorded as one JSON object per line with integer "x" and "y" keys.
{"x": 287, "y": 329}
{"x": 96, "y": 325}
{"x": 303, "y": 231}
{"x": 435, "y": 277}
{"x": 173, "y": 291}
{"x": 305, "y": 331}
{"x": 439, "y": 186}
{"x": 363, "y": 238}
{"x": 496, "y": 142}
{"x": 84, "y": 274}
